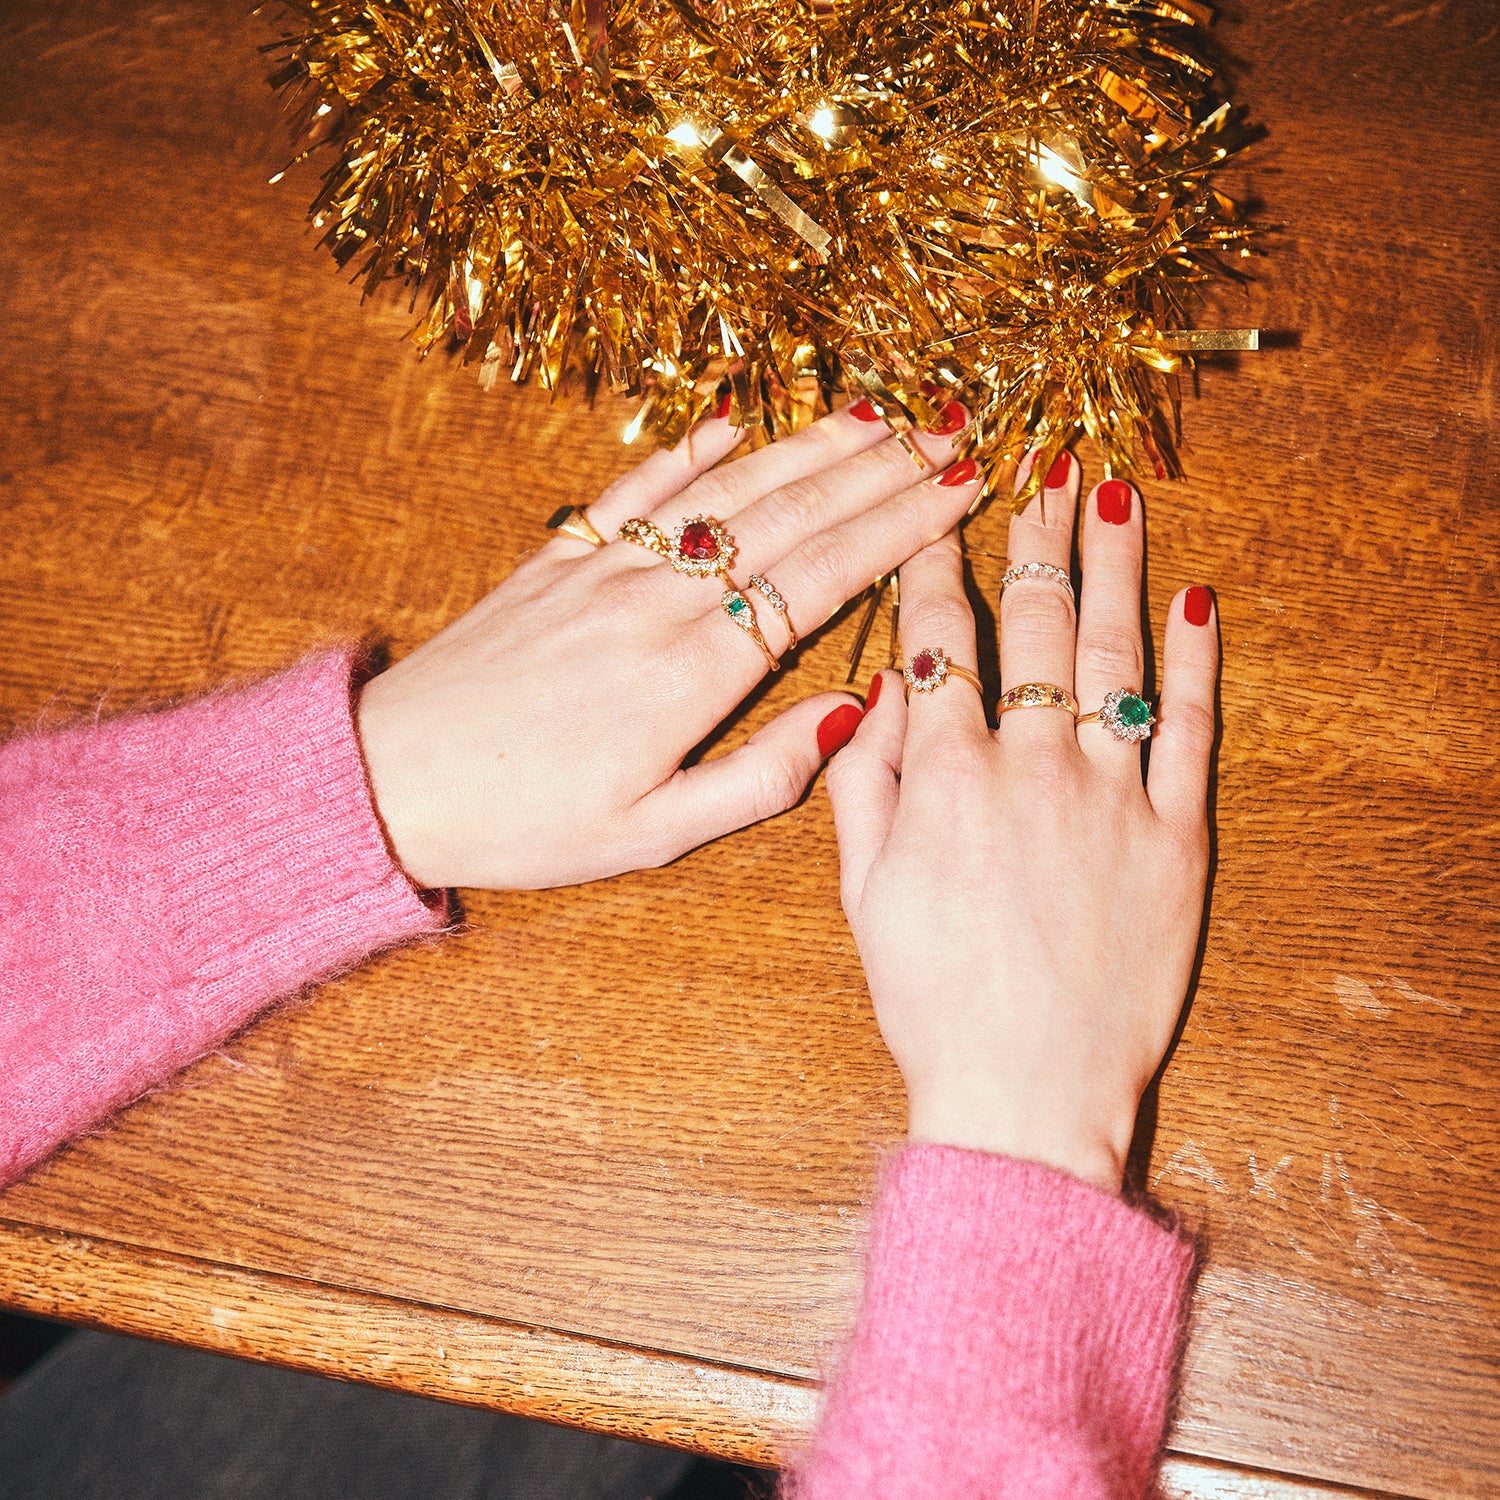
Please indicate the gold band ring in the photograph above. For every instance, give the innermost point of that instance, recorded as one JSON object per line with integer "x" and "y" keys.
{"x": 1038, "y": 695}
{"x": 1125, "y": 714}
{"x": 1021, "y": 572}
{"x": 930, "y": 668}
{"x": 645, "y": 534}
{"x": 742, "y": 612}
{"x": 778, "y": 603}
{"x": 573, "y": 520}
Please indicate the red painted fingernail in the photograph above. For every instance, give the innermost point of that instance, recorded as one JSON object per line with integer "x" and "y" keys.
{"x": 952, "y": 417}
{"x": 838, "y": 729}
{"x": 1113, "y": 500}
{"x": 929, "y": 388}
{"x": 1197, "y": 605}
{"x": 864, "y": 411}
{"x": 963, "y": 472}
{"x": 1057, "y": 475}
{"x": 722, "y": 409}
{"x": 873, "y": 696}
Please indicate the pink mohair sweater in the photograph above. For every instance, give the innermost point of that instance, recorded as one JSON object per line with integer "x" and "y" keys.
{"x": 166, "y": 876}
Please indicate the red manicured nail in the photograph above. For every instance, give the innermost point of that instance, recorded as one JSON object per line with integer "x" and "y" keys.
{"x": 838, "y": 729}
{"x": 929, "y": 388}
{"x": 1057, "y": 475}
{"x": 873, "y": 696}
{"x": 952, "y": 417}
{"x": 963, "y": 472}
{"x": 1113, "y": 500}
{"x": 864, "y": 411}
{"x": 722, "y": 409}
{"x": 1197, "y": 605}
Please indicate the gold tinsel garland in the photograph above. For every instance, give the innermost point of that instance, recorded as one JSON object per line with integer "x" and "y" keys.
{"x": 1005, "y": 200}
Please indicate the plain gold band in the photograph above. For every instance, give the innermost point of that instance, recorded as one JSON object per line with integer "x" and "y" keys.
{"x": 968, "y": 676}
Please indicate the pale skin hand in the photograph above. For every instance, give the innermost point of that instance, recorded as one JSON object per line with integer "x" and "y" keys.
{"x": 539, "y": 739}
{"x": 1026, "y": 907}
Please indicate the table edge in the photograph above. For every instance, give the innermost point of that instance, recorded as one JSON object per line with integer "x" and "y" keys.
{"x": 724, "y": 1411}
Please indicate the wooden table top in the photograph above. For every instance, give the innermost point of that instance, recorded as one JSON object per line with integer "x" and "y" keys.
{"x": 569, "y": 1165}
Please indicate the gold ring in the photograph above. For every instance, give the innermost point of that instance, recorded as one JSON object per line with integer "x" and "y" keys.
{"x": 573, "y": 520}
{"x": 778, "y": 603}
{"x": 645, "y": 534}
{"x": 1125, "y": 714}
{"x": 930, "y": 668}
{"x": 1038, "y": 695}
{"x": 1020, "y": 572}
{"x": 740, "y": 610}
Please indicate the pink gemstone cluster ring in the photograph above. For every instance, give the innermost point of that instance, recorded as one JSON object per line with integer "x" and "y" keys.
{"x": 931, "y": 667}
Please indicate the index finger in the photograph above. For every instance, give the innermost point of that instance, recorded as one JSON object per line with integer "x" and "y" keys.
{"x": 937, "y": 624}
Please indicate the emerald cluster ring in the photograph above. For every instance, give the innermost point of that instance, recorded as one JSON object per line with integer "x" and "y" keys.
{"x": 1125, "y": 714}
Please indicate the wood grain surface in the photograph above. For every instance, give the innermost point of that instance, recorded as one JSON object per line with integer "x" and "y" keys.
{"x": 569, "y": 1164}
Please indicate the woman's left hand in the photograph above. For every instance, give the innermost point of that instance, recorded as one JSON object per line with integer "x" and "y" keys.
{"x": 539, "y": 739}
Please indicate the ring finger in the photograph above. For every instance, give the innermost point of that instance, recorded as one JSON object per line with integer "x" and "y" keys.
{"x": 1110, "y": 653}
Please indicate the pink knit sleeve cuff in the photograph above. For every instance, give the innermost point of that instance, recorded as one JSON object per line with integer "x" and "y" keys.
{"x": 165, "y": 876}
{"x": 1018, "y": 1337}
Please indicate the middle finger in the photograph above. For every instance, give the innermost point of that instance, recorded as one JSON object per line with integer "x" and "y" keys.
{"x": 1036, "y": 613}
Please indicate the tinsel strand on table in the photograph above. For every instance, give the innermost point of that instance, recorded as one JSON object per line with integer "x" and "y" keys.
{"x": 1005, "y": 200}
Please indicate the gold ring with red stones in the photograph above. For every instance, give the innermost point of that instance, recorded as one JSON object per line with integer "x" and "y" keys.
{"x": 1038, "y": 695}
{"x": 930, "y": 668}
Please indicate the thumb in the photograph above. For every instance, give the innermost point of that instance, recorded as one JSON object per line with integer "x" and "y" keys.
{"x": 767, "y": 775}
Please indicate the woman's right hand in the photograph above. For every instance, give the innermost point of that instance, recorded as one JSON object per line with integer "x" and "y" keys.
{"x": 1026, "y": 906}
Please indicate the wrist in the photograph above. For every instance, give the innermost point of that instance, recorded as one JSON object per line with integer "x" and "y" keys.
{"x": 1089, "y": 1150}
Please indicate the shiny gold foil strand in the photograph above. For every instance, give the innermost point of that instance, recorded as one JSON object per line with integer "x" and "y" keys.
{"x": 1036, "y": 284}
{"x": 1211, "y": 340}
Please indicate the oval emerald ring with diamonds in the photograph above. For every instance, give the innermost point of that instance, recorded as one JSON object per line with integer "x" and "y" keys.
{"x": 930, "y": 668}
{"x": 1125, "y": 714}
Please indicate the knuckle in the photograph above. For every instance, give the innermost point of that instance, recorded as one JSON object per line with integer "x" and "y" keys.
{"x": 940, "y": 622}
{"x": 1048, "y": 790}
{"x": 1193, "y": 725}
{"x": 825, "y": 561}
{"x": 710, "y": 494}
{"x": 956, "y": 754}
{"x": 777, "y": 784}
{"x": 1036, "y": 612}
{"x": 799, "y": 507}
{"x": 1115, "y": 653}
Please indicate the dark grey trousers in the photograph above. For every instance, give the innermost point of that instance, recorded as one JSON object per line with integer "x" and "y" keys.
{"x": 108, "y": 1418}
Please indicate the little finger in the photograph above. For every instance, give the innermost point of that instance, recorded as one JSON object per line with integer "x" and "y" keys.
{"x": 1184, "y": 738}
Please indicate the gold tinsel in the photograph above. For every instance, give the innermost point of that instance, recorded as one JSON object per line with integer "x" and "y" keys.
{"x": 1004, "y": 200}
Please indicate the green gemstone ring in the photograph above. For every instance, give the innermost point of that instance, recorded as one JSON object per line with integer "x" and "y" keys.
{"x": 1125, "y": 714}
{"x": 742, "y": 612}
